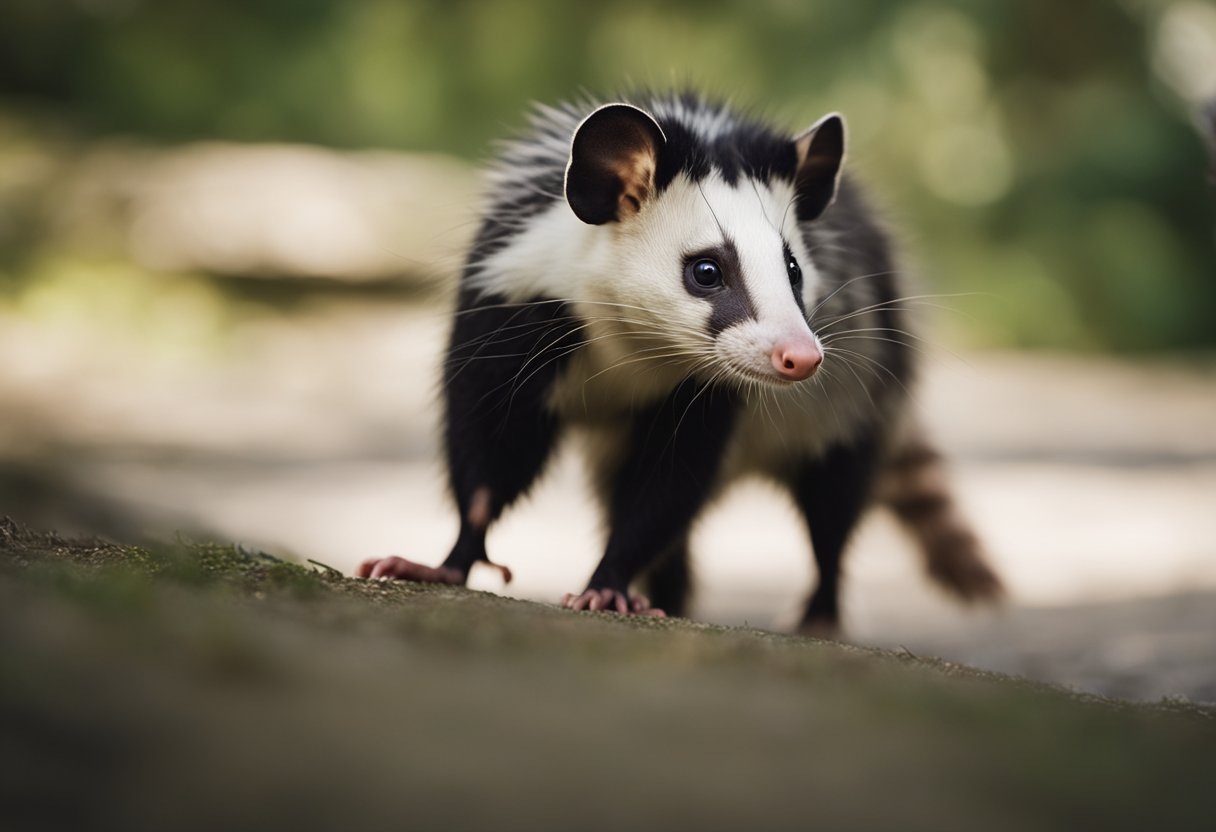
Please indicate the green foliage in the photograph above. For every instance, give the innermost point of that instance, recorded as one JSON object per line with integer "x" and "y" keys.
{"x": 122, "y": 578}
{"x": 1030, "y": 148}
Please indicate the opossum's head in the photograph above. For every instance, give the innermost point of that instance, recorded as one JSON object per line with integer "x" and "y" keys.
{"x": 701, "y": 234}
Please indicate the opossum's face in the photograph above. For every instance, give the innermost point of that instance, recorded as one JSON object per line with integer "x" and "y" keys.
{"x": 711, "y": 266}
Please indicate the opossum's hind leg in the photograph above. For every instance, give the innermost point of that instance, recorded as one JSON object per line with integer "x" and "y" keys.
{"x": 832, "y": 492}
{"x": 668, "y": 584}
{"x": 499, "y": 433}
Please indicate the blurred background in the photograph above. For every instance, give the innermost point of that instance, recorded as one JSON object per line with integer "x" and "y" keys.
{"x": 229, "y": 233}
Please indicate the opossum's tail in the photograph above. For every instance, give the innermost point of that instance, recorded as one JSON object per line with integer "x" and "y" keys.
{"x": 915, "y": 486}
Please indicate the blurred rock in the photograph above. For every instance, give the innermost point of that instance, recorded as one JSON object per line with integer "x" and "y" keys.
{"x": 291, "y": 211}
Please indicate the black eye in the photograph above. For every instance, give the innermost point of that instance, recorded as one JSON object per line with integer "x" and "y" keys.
{"x": 793, "y": 269}
{"x": 703, "y": 274}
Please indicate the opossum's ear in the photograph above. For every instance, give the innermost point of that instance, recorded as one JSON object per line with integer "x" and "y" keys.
{"x": 612, "y": 163}
{"x": 820, "y": 155}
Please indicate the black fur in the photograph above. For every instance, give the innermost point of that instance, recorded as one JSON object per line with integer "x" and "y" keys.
{"x": 817, "y": 175}
{"x": 866, "y": 258}
{"x": 675, "y": 452}
{"x": 504, "y": 359}
{"x": 731, "y": 304}
{"x": 795, "y": 285}
{"x": 602, "y": 158}
{"x": 669, "y": 581}
{"x": 831, "y": 493}
{"x": 744, "y": 148}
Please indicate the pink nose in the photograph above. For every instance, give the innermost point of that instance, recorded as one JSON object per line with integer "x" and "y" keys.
{"x": 796, "y": 360}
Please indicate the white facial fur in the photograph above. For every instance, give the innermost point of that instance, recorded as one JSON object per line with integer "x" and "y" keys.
{"x": 750, "y": 212}
{"x": 626, "y": 279}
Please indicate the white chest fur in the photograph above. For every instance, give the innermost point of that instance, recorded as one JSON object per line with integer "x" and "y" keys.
{"x": 610, "y": 379}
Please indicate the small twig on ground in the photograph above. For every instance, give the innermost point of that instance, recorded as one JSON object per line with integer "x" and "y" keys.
{"x": 325, "y": 567}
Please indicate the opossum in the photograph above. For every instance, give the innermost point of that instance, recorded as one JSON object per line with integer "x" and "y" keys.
{"x": 703, "y": 298}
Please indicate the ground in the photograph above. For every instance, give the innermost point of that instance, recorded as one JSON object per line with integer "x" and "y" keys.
{"x": 198, "y": 686}
{"x": 307, "y": 430}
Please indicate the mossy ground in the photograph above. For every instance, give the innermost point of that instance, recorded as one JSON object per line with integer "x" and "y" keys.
{"x": 201, "y": 686}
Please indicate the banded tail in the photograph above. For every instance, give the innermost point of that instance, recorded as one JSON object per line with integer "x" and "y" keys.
{"x": 915, "y": 485}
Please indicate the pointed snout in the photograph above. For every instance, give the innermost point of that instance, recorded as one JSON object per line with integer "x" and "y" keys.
{"x": 797, "y": 360}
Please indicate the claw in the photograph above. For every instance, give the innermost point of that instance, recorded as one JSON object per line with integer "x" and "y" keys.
{"x": 406, "y": 570}
{"x": 610, "y": 600}
{"x": 505, "y": 571}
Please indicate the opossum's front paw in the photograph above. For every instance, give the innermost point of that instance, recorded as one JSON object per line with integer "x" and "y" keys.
{"x": 407, "y": 570}
{"x": 610, "y": 600}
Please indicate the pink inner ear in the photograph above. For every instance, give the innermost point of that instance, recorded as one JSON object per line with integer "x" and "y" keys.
{"x": 820, "y": 156}
{"x": 611, "y": 170}
{"x": 828, "y": 150}
{"x": 802, "y": 145}
{"x": 636, "y": 175}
